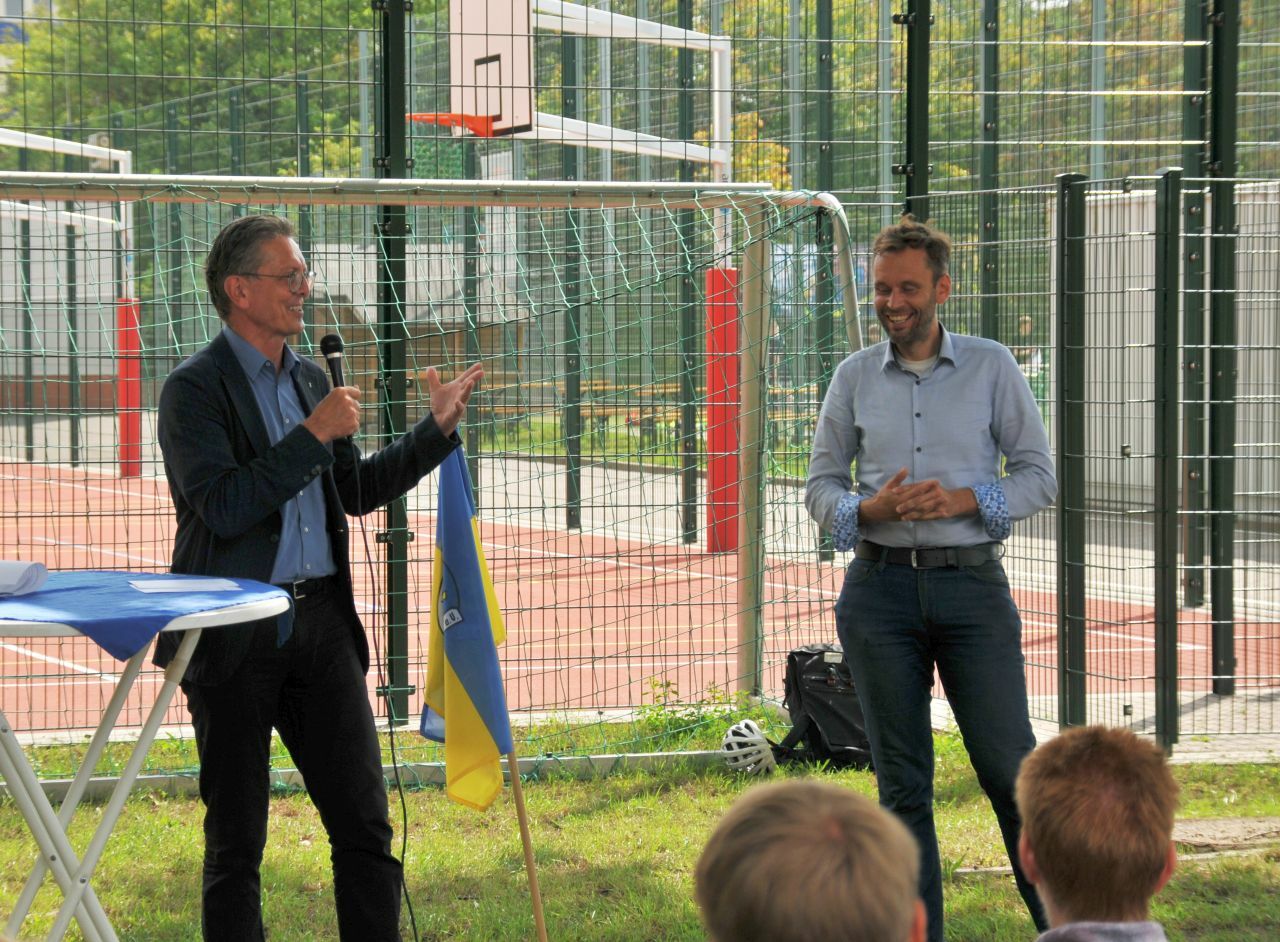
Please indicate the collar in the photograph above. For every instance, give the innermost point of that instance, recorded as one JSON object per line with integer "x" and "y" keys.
{"x": 251, "y": 359}
{"x": 946, "y": 351}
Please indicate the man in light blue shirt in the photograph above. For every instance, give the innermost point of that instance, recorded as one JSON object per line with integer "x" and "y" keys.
{"x": 925, "y": 420}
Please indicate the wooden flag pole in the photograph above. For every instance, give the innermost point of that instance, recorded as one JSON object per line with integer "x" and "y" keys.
{"x": 513, "y": 769}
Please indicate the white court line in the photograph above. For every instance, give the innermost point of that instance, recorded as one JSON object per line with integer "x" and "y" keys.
{"x": 123, "y": 490}
{"x": 88, "y": 547}
{"x": 69, "y": 665}
{"x": 1049, "y": 628}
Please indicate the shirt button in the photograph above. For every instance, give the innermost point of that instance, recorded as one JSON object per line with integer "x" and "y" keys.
{"x": 306, "y": 529}
{"x": 917, "y": 415}
{"x": 919, "y": 449}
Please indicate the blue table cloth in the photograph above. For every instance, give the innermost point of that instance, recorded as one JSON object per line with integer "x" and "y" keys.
{"x": 120, "y": 618}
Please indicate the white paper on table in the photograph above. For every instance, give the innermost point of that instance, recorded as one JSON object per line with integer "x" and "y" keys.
{"x": 183, "y": 584}
{"x": 18, "y": 577}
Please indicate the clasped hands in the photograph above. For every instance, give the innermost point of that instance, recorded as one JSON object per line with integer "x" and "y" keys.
{"x": 923, "y": 500}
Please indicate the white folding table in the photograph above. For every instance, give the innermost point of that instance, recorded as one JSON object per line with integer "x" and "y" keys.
{"x": 250, "y": 602}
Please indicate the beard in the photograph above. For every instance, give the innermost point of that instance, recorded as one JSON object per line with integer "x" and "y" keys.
{"x": 921, "y": 329}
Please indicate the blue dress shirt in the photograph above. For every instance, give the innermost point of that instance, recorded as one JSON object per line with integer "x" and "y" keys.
{"x": 953, "y": 424}
{"x": 304, "y": 551}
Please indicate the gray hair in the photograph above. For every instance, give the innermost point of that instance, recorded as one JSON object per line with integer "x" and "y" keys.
{"x": 235, "y": 251}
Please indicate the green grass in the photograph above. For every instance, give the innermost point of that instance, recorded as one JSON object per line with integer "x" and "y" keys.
{"x": 614, "y": 858}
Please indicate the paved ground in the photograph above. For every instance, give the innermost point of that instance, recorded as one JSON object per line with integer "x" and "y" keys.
{"x": 1216, "y": 834}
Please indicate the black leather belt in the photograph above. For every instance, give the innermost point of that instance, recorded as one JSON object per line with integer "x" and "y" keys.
{"x": 301, "y": 588}
{"x": 931, "y": 557}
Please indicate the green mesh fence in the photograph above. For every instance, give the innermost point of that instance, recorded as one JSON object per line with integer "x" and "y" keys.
{"x": 1016, "y": 93}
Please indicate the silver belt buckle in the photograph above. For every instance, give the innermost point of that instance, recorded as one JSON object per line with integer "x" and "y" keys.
{"x": 293, "y": 589}
{"x": 915, "y": 559}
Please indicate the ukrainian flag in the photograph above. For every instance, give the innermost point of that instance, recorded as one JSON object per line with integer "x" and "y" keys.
{"x": 466, "y": 708}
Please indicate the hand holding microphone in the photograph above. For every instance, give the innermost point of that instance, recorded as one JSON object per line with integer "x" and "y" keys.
{"x": 338, "y": 414}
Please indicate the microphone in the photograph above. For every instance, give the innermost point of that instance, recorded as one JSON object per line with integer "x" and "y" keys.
{"x": 331, "y": 347}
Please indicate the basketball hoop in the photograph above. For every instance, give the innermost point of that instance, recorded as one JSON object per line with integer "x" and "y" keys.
{"x": 477, "y": 124}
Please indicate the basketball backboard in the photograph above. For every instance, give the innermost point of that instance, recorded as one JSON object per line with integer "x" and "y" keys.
{"x": 491, "y": 63}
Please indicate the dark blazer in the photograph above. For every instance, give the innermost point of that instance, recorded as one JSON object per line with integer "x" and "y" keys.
{"x": 228, "y": 484}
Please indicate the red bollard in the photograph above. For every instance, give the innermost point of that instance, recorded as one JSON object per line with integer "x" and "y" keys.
{"x": 723, "y": 409}
{"x": 129, "y": 385}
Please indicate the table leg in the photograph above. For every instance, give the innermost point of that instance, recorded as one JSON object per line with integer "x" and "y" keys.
{"x": 52, "y": 840}
{"x": 115, "y": 804}
{"x": 101, "y": 736}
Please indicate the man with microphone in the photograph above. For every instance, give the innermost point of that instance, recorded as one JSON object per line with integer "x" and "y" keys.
{"x": 263, "y": 473}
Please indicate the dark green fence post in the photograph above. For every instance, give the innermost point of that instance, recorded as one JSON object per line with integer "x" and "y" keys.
{"x": 690, "y": 312}
{"x": 173, "y": 233}
{"x": 1194, "y": 132}
{"x": 121, "y": 260}
{"x": 392, "y": 235}
{"x": 302, "y": 132}
{"x": 1222, "y": 340}
{"x": 1069, "y": 251}
{"x": 72, "y": 275}
{"x": 988, "y": 161}
{"x": 571, "y": 167}
{"x": 1167, "y": 237}
{"x": 236, "y": 139}
{"x": 28, "y": 328}
{"x": 918, "y": 21}
{"x": 471, "y": 218}
{"x": 824, "y": 295}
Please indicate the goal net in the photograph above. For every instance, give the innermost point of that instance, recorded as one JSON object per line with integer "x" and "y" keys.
{"x": 637, "y": 445}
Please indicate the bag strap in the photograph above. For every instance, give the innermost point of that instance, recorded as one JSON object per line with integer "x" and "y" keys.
{"x": 792, "y": 739}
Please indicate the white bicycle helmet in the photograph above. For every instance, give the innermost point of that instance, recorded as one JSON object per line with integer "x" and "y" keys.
{"x": 746, "y": 749}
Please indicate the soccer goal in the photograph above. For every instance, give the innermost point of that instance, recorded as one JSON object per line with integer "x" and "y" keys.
{"x": 591, "y": 438}
{"x": 68, "y": 309}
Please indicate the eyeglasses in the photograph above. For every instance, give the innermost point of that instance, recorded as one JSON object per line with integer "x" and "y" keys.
{"x": 295, "y": 279}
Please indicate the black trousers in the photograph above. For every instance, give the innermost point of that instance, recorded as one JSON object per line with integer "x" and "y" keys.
{"x": 312, "y": 690}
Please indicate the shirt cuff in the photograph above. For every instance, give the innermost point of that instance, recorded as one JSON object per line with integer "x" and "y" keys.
{"x": 994, "y": 509}
{"x": 844, "y": 528}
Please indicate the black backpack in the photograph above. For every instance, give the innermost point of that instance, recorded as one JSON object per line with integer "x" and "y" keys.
{"x": 826, "y": 717}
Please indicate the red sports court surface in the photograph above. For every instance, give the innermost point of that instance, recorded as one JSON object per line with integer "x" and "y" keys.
{"x": 593, "y": 622}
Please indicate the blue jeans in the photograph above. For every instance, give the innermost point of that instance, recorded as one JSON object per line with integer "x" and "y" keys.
{"x": 896, "y": 625}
